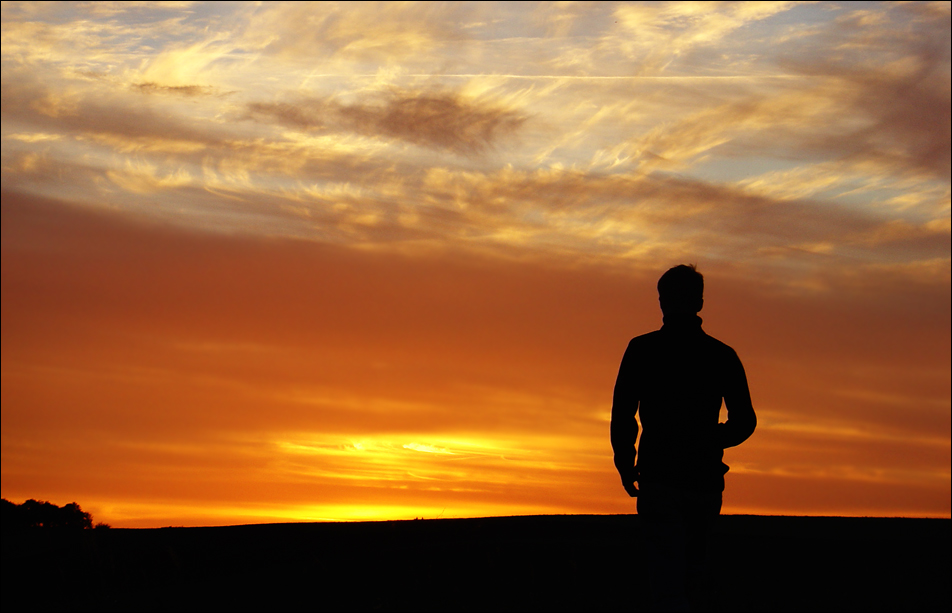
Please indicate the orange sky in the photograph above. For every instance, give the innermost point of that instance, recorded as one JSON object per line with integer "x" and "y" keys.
{"x": 262, "y": 264}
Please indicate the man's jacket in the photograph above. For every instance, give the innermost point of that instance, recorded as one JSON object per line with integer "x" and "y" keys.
{"x": 675, "y": 378}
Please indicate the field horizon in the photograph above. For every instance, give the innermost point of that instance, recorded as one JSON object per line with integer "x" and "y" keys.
{"x": 550, "y": 562}
{"x": 493, "y": 517}
{"x": 528, "y": 515}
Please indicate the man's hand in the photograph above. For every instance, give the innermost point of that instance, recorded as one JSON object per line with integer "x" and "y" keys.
{"x": 631, "y": 488}
{"x": 629, "y": 480}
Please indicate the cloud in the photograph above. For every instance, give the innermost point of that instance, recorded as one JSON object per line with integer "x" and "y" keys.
{"x": 610, "y": 214}
{"x": 332, "y": 165}
{"x": 860, "y": 91}
{"x": 28, "y": 102}
{"x": 902, "y": 132}
{"x": 289, "y": 178}
{"x": 364, "y": 31}
{"x": 893, "y": 83}
{"x": 655, "y": 35}
{"x": 143, "y": 178}
{"x": 88, "y": 35}
{"x": 438, "y": 120}
{"x": 181, "y": 90}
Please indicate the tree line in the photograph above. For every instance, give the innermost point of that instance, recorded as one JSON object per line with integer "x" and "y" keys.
{"x": 42, "y": 514}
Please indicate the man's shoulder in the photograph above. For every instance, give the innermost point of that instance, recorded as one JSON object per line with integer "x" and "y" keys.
{"x": 715, "y": 346}
{"x": 714, "y": 342}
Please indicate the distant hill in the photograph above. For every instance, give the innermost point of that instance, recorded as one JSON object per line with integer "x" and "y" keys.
{"x": 547, "y": 563}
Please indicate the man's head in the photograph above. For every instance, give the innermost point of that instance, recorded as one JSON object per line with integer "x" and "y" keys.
{"x": 681, "y": 291}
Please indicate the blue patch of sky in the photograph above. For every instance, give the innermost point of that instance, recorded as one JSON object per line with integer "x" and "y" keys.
{"x": 739, "y": 168}
{"x": 812, "y": 14}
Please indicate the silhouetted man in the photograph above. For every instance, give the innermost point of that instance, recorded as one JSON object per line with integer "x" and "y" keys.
{"x": 675, "y": 378}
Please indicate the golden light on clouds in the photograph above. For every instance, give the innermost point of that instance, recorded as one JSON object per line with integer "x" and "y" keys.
{"x": 297, "y": 261}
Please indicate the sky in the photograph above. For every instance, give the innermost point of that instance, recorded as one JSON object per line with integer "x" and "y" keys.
{"x": 269, "y": 262}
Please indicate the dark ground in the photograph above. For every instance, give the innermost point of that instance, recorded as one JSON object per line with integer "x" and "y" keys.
{"x": 550, "y": 563}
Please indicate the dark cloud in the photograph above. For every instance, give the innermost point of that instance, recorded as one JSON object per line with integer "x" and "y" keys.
{"x": 438, "y": 120}
{"x": 180, "y": 90}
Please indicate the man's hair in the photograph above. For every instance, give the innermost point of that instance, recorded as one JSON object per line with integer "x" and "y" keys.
{"x": 681, "y": 288}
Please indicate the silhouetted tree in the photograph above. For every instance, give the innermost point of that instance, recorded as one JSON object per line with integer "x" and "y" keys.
{"x": 42, "y": 514}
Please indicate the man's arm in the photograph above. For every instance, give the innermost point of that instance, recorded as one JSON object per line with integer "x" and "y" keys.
{"x": 741, "y": 419}
{"x": 624, "y": 428}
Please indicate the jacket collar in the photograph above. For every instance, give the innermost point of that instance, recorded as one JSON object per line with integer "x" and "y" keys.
{"x": 682, "y": 323}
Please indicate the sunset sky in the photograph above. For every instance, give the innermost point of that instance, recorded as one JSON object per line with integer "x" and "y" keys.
{"x": 336, "y": 261}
